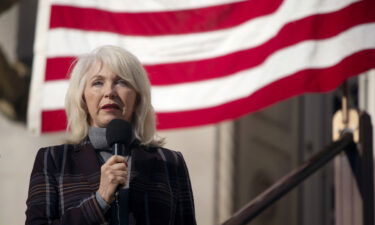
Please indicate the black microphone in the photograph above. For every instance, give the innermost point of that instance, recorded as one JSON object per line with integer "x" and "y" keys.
{"x": 119, "y": 136}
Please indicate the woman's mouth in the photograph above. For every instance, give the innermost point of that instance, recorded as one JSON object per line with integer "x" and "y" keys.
{"x": 110, "y": 107}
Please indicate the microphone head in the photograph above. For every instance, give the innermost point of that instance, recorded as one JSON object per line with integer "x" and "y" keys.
{"x": 119, "y": 131}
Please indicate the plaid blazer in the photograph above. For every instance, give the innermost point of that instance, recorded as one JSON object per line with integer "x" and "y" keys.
{"x": 65, "y": 178}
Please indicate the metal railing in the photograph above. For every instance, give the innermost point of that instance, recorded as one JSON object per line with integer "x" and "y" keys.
{"x": 361, "y": 161}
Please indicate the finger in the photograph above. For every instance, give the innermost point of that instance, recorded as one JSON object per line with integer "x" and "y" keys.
{"x": 116, "y": 159}
{"x": 118, "y": 180}
{"x": 119, "y": 166}
{"x": 120, "y": 173}
{"x": 113, "y": 175}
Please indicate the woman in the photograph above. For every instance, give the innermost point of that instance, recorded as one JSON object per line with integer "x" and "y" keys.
{"x": 76, "y": 183}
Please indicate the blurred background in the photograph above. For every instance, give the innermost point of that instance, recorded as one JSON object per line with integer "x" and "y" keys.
{"x": 230, "y": 162}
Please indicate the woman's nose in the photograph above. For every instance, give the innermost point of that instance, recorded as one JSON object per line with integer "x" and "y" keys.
{"x": 109, "y": 91}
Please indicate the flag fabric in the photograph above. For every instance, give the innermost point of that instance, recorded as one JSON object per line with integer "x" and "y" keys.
{"x": 207, "y": 60}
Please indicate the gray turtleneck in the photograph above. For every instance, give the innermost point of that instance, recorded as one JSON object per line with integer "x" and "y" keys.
{"x": 99, "y": 142}
{"x": 98, "y": 138}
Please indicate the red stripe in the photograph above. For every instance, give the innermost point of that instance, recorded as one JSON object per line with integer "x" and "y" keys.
{"x": 161, "y": 23}
{"x": 329, "y": 25}
{"x": 311, "y": 80}
{"x": 58, "y": 68}
{"x": 53, "y": 120}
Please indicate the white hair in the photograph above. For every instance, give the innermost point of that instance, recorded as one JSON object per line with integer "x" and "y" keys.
{"x": 125, "y": 65}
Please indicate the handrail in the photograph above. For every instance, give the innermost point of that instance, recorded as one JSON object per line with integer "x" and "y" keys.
{"x": 289, "y": 181}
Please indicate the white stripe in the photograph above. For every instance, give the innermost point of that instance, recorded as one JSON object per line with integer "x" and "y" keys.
{"x": 308, "y": 54}
{"x": 177, "y": 48}
{"x": 57, "y": 99}
{"x": 142, "y": 6}
{"x": 35, "y": 95}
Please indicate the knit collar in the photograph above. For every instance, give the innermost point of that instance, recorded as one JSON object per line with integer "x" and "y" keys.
{"x": 97, "y": 136}
{"x": 98, "y": 139}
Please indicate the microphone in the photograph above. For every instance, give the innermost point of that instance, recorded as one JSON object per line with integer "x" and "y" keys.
{"x": 119, "y": 136}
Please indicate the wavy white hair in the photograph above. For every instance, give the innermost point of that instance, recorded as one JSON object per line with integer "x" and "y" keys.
{"x": 128, "y": 67}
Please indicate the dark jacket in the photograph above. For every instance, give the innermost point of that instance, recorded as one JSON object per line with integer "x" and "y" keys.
{"x": 65, "y": 178}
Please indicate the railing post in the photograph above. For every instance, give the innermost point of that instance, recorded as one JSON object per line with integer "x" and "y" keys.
{"x": 367, "y": 168}
{"x": 355, "y": 189}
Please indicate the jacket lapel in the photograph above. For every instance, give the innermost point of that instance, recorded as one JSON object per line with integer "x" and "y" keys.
{"x": 87, "y": 163}
{"x": 143, "y": 162}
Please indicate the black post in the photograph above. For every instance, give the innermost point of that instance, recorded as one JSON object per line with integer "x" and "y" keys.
{"x": 367, "y": 176}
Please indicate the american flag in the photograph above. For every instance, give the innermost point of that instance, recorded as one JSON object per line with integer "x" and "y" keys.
{"x": 208, "y": 60}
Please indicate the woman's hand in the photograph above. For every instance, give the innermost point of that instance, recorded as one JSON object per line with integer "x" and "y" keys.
{"x": 113, "y": 173}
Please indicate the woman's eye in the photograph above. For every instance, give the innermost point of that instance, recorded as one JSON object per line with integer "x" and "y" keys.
{"x": 97, "y": 83}
{"x": 123, "y": 82}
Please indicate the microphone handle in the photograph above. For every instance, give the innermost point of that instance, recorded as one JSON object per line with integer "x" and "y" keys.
{"x": 121, "y": 196}
{"x": 120, "y": 149}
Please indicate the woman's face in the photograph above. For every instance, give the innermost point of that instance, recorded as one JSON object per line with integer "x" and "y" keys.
{"x": 108, "y": 97}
